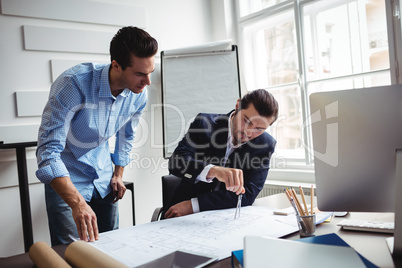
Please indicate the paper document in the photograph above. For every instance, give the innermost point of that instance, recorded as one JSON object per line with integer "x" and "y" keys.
{"x": 209, "y": 233}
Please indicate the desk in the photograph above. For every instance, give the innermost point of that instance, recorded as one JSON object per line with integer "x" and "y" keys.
{"x": 370, "y": 245}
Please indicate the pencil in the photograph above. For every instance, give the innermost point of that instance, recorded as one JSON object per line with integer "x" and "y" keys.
{"x": 301, "y": 211}
{"x": 312, "y": 200}
{"x": 304, "y": 200}
{"x": 287, "y": 195}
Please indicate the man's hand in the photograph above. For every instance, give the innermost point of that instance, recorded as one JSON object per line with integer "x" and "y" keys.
{"x": 83, "y": 215}
{"x": 85, "y": 219}
{"x": 232, "y": 177}
{"x": 180, "y": 209}
{"x": 117, "y": 184}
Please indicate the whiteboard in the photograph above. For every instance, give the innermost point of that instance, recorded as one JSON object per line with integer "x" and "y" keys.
{"x": 195, "y": 82}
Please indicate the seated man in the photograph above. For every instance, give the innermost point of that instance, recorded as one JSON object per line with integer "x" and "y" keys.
{"x": 224, "y": 155}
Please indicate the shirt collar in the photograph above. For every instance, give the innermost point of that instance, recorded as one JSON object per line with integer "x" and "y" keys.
{"x": 105, "y": 90}
{"x": 125, "y": 92}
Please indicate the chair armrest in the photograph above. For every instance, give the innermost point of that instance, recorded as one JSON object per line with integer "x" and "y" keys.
{"x": 157, "y": 214}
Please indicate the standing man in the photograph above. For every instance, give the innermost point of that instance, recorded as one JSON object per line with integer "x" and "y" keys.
{"x": 88, "y": 104}
{"x": 224, "y": 155}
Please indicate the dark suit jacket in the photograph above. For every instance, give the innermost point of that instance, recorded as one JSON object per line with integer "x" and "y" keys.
{"x": 205, "y": 143}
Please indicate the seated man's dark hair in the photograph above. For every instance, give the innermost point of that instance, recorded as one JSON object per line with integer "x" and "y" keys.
{"x": 263, "y": 101}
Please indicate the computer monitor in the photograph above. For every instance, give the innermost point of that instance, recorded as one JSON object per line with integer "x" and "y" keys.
{"x": 356, "y": 136}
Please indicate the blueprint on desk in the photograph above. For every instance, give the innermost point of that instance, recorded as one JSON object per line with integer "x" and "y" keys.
{"x": 210, "y": 233}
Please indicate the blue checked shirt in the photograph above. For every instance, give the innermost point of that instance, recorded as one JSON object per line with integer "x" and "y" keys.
{"x": 79, "y": 118}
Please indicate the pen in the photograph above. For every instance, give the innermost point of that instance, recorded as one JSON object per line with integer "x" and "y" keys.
{"x": 292, "y": 202}
{"x": 238, "y": 206}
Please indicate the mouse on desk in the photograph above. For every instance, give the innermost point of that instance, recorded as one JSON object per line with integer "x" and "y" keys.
{"x": 340, "y": 213}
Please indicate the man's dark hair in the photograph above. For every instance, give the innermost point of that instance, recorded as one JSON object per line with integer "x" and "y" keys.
{"x": 263, "y": 101}
{"x": 131, "y": 41}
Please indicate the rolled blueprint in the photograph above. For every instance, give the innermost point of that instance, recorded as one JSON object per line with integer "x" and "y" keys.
{"x": 44, "y": 256}
{"x": 82, "y": 255}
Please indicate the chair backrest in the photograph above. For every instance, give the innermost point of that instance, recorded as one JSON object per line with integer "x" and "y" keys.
{"x": 169, "y": 185}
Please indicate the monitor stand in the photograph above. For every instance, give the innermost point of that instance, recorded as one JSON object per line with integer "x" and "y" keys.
{"x": 397, "y": 249}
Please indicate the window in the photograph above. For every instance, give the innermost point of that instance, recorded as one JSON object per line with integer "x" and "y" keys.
{"x": 294, "y": 48}
{"x": 250, "y": 6}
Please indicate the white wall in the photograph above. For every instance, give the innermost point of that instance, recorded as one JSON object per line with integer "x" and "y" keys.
{"x": 174, "y": 23}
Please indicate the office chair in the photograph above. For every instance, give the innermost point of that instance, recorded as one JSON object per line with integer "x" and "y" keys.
{"x": 169, "y": 185}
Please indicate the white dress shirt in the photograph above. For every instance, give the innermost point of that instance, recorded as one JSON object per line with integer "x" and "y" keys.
{"x": 230, "y": 147}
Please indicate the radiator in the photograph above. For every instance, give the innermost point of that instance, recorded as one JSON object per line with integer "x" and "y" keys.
{"x": 271, "y": 189}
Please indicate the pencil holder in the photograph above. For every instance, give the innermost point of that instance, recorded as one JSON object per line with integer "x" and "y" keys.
{"x": 306, "y": 225}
